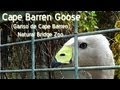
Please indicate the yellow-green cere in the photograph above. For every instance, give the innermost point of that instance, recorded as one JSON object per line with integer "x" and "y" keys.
{"x": 67, "y": 51}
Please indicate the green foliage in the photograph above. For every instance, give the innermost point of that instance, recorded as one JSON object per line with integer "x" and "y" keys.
{"x": 88, "y": 21}
{"x": 116, "y": 52}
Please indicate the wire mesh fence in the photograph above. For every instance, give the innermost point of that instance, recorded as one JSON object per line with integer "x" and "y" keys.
{"x": 32, "y": 58}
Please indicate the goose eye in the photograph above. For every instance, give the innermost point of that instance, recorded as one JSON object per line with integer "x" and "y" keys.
{"x": 83, "y": 45}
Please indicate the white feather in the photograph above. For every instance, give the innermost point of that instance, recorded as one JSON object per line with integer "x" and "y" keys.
{"x": 97, "y": 53}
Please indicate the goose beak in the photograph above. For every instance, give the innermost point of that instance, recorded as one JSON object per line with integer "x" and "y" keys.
{"x": 64, "y": 56}
{"x": 54, "y": 63}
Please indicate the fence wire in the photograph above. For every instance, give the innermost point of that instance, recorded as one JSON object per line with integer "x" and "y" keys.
{"x": 76, "y": 68}
{"x": 33, "y": 70}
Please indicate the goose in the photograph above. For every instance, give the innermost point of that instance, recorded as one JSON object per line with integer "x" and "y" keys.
{"x": 93, "y": 50}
